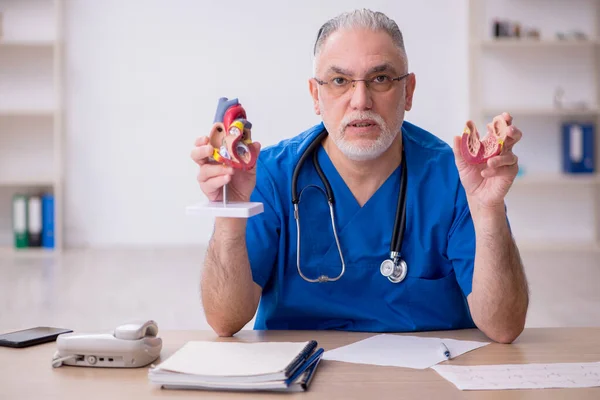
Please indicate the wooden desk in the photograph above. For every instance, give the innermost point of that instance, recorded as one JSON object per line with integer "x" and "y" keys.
{"x": 28, "y": 374}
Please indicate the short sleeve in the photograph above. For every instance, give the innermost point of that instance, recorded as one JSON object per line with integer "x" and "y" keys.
{"x": 461, "y": 242}
{"x": 263, "y": 230}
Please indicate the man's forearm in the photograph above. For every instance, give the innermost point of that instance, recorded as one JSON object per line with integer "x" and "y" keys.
{"x": 229, "y": 295}
{"x": 500, "y": 295}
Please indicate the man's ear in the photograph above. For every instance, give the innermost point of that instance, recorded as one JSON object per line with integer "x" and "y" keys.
{"x": 314, "y": 92}
{"x": 411, "y": 83}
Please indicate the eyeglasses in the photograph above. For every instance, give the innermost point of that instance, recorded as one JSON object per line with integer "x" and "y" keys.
{"x": 339, "y": 85}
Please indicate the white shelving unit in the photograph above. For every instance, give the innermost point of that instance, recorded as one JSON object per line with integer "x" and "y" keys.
{"x": 31, "y": 112}
{"x": 550, "y": 61}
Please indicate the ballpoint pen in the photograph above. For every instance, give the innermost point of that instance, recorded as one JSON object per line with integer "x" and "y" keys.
{"x": 445, "y": 350}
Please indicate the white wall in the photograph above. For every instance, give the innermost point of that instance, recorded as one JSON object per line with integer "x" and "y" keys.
{"x": 143, "y": 78}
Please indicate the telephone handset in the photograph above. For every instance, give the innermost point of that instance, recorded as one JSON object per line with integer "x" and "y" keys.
{"x": 130, "y": 345}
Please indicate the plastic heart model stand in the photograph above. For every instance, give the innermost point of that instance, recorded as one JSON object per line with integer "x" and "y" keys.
{"x": 477, "y": 151}
{"x": 230, "y": 136}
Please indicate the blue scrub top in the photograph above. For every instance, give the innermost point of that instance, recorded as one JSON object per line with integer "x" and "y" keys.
{"x": 438, "y": 246}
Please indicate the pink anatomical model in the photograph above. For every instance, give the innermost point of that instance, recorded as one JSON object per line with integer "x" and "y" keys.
{"x": 476, "y": 151}
{"x": 230, "y": 136}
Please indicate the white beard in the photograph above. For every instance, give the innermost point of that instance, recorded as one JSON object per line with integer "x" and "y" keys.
{"x": 361, "y": 152}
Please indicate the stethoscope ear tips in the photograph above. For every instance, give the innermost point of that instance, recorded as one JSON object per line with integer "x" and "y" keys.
{"x": 395, "y": 272}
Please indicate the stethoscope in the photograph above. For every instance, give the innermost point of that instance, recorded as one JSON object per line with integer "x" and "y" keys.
{"x": 394, "y": 268}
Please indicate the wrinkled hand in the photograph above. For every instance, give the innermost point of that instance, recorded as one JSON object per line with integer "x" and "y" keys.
{"x": 213, "y": 176}
{"x": 489, "y": 183}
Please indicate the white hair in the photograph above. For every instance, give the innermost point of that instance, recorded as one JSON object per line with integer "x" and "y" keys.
{"x": 363, "y": 18}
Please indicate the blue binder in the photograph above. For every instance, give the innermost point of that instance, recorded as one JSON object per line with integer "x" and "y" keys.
{"x": 48, "y": 221}
{"x": 578, "y": 148}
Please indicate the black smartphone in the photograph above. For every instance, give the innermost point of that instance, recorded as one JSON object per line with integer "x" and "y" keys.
{"x": 31, "y": 336}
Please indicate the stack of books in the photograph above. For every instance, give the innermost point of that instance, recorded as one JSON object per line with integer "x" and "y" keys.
{"x": 239, "y": 366}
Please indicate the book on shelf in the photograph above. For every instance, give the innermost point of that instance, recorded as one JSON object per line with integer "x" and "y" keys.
{"x": 239, "y": 366}
{"x": 578, "y": 148}
{"x": 48, "y": 221}
{"x": 19, "y": 220}
{"x": 33, "y": 220}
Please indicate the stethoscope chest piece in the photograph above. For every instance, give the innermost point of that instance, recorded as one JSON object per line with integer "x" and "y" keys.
{"x": 395, "y": 271}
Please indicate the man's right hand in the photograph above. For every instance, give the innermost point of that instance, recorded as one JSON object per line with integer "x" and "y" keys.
{"x": 228, "y": 304}
{"x": 213, "y": 176}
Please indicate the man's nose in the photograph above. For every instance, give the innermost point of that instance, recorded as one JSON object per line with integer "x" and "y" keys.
{"x": 361, "y": 96}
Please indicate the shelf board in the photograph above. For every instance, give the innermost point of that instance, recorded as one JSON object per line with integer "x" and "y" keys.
{"x": 526, "y": 43}
{"x": 556, "y": 246}
{"x": 557, "y": 179}
{"x": 27, "y": 43}
{"x": 33, "y": 252}
{"x": 543, "y": 112}
{"x": 27, "y": 182}
{"x": 23, "y": 112}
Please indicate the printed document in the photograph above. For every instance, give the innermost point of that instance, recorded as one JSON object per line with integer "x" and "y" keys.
{"x": 522, "y": 376}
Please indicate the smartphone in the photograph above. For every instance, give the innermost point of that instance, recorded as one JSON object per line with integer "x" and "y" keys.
{"x": 31, "y": 336}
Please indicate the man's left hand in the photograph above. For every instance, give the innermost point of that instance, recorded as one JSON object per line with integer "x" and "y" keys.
{"x": 488, "y": 183}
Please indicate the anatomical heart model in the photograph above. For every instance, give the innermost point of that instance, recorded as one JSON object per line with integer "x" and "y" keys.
{"x": 230, "y": 136}
{"x": 232, "y": 143}
{"x": 477, "y": 151}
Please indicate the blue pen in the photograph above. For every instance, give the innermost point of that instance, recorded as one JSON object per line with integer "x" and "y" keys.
{"x": 445, "y": 350}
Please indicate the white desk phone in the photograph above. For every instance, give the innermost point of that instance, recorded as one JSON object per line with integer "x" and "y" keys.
{"x": 130, "y": 345}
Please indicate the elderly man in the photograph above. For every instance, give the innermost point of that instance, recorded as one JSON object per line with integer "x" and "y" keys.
{"x": 339, "y": 266}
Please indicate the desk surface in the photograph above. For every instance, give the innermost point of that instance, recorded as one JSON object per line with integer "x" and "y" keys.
{"x": 27, "y": 373}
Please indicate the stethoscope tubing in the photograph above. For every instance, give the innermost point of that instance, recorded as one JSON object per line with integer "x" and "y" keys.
{"x": 399, "y": 222}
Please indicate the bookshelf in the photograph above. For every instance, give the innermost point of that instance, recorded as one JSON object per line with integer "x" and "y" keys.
{"x": 31, "y": 113}
{"x": 520, "y": 74}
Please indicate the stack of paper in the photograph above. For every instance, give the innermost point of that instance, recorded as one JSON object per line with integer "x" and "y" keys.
{"x": 277, "y": 366}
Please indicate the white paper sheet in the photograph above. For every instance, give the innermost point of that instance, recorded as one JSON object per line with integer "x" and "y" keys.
{"x": 401, "y": 351}
{"x": 522, "y": 376}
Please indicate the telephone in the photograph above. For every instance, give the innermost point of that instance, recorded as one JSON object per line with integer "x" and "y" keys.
{"x": 131, "y": 345}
